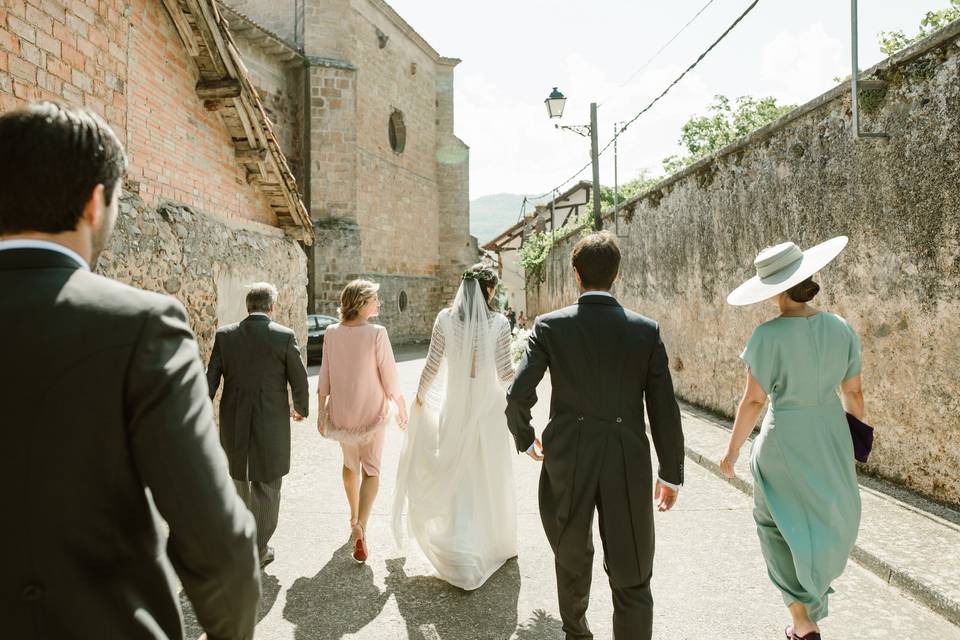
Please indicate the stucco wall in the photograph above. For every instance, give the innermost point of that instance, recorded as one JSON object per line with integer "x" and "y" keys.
{"x": 805, "y": 179}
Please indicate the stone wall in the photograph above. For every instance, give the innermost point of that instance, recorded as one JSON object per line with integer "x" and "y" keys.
{"x": 693, "y": 238}
{"x": 205, "y": 263}
{"x": 338, "y": 261}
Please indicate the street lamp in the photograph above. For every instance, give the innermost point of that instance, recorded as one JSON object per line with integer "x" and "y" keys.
{"x": 555, "y": 103}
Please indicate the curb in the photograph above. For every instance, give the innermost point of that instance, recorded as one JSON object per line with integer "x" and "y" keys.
{"x": 921, "y": 592}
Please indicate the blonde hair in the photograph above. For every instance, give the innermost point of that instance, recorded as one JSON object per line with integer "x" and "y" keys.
{"x": 354, "y": 297}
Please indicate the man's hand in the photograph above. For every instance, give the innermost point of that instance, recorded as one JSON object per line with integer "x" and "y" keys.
{"x": 536, "y": 451}
{"x": 296, "y": 415}
{"x": 664, "y": 496}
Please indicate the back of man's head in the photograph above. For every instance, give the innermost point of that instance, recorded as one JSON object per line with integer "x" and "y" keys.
{"x": 52, "y": 158}
{"x": 261, "y": 297}
{"x": 597, "y": 259}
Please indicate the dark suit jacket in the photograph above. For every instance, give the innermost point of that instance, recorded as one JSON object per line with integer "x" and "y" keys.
{"x": 257, "y": 358}
{"x": 105, "y": 406}
{"x": 605, "y": 362}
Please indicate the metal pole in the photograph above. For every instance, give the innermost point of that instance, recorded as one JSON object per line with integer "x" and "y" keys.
{"x": 616, "y": 200}
{"x": 595, "y": 160}
{"x": 855, "y": 64}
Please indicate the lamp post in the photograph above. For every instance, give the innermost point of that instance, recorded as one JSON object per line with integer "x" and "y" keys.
{"x": 555, "y": 103}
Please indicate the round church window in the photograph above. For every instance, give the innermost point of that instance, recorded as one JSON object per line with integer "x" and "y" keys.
{"x": 397, "y": 131}
{"x": 402, "y": 301}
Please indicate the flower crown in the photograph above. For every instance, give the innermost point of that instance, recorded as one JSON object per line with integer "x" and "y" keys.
{"x": 484, "y": 274}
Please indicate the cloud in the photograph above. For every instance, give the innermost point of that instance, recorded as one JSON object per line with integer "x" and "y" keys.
{"x": 797, "y": 66}
{"x": 516, "y": 148}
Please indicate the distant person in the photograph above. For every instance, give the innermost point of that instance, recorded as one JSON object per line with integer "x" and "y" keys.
{"x": 522, "y": 320}
{"x": 606, "y": 364}
{"x": 806, "y": 497}
{"x": 257, "y": 359}
{"x": 512, "y": 319}
{"x": 105, "y": 414}
{"x": 358, "y": 381}
{"x": 459, "y": 498}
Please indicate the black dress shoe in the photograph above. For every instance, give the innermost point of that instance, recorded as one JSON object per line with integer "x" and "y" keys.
{"x": 266, "y": 557}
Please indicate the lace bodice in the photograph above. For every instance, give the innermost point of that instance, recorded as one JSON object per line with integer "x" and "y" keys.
{"x": 443, "y": 334}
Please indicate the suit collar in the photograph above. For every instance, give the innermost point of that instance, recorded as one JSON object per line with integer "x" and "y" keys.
{"x": 36, "y": 258}
{"x": 257, "y": 317}
{"x": 45, "y": 245}
{"x": 594, "y": 298}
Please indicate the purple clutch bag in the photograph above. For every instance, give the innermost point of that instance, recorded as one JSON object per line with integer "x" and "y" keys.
{"x": 862, "y": 435}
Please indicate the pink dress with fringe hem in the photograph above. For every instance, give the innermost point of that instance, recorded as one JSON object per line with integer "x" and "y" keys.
{"x": 359, "y": 373}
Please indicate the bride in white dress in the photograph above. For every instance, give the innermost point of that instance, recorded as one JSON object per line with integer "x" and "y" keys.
{"x": 455, "y": 479}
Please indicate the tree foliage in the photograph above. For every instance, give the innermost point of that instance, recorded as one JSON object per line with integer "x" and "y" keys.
{"x": 894, "y": 41}
{"x": 536, "y": 247}
{"x": 727, "y": 121}
{"x": 627, "y": 190}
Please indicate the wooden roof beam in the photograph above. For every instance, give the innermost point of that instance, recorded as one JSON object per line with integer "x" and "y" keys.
{"x": 218, "y": 89}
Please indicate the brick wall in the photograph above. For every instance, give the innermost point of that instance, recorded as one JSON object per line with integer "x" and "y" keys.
{"x": 124, "y": 60}
{"x": 69, "y": 52}
{"x": 179, "y": 151}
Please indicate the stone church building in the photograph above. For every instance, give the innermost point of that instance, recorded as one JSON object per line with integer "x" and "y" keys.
{"x": 363, "y": 107}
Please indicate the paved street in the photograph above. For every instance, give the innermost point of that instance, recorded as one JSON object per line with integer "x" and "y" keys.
{"x": 709, "y": 580}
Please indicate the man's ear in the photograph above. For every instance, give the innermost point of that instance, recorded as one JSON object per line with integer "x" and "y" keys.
{"x": 576, "y": 274}
{"x": 95, "y": 208}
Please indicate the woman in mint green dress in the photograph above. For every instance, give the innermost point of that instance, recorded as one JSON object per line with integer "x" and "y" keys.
{"x": 806, "y": 497}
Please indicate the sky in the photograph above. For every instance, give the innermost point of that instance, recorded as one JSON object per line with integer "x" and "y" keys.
{"x": 515, "y": 51}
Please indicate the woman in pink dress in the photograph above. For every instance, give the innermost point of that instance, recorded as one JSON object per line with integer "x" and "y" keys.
{"x": 358, "y": 380}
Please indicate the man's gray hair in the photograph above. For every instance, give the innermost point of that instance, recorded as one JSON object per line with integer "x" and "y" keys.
{"x": 261, "y": 297}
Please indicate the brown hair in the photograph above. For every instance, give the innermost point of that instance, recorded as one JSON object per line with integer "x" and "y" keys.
{"x": 805, "y": 291}
{"x": 597, "y": 259}
{"x": 354, "y": 297}
{"x": 485, "y": 277}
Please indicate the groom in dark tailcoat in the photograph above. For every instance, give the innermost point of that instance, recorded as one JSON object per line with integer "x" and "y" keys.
{"x": 605, "y": 363}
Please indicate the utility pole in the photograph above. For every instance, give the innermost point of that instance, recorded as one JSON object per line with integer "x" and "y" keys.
{"x": 595, "y": 161}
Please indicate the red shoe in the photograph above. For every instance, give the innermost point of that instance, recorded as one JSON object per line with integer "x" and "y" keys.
{"x": 360, "y": 545}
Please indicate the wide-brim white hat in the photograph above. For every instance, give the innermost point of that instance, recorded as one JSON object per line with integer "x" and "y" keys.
{"x": 782, "y": 267}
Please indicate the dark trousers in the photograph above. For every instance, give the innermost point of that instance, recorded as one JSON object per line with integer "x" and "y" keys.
{"x": 263, "y": 501}
{"x": 632, "y": 605}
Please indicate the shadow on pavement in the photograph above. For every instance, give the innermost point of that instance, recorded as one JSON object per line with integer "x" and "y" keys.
{"x": 269, "y": 590}
{"x": 433, "y": 609}
{"x": 540, "y": 626}
{"x": 341, "y": 599}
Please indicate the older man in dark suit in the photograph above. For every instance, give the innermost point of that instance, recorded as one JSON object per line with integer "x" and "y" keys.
{"x": 257, "y": 358}
{"x": 605, "y": 363}
{"x": 106, "y": 416}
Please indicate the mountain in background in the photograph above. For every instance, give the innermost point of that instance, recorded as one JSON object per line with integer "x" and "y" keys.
{"x": 491, "y": 215}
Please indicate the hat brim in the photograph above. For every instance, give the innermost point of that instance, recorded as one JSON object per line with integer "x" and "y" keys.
{"x": 758, "y": 289}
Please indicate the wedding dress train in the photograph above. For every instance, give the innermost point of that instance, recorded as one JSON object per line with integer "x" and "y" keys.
{"x": 455, "y": 479}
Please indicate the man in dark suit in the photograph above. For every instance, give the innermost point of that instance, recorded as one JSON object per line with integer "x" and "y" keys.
{"x": 257, "y": 359}
{"x": 106, "y": 416}
{"x": 604, "y": 362}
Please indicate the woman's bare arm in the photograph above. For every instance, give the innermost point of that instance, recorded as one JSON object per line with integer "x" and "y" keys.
{"x": 851, "y": 394}
{"x": 751, "y": 404}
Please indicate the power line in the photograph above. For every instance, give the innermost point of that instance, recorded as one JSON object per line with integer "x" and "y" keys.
{"x": 688, "y": 69}
{"x": 662, "y": 94}
{"x": 664, "y": 47}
